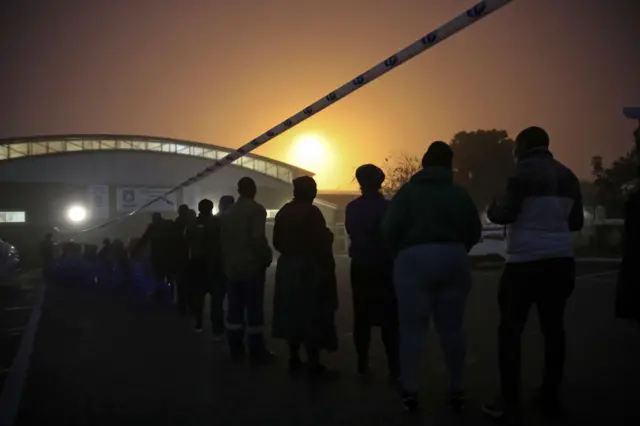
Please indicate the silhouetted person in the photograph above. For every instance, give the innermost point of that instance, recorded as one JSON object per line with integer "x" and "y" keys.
{"x": 432, "y": 224}
{"x": 374, "y": 300}
{"x": 205, "y": 267}
{"x": 47, "y": 255}
{"x": 247, "y": 255}
{"x": 542, "y": 207}
{"x": 305, "y": 299}
{"x": 628, "y": 292}
{"x": 105, "y": 252}
{"x": 181, "y": 257}
{"x": 159, "y": 237}
{"x": 121, "y": 260}
{"x": 226, "y": 201}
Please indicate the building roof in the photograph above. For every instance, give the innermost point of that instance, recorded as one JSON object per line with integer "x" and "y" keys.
{"x": 27, "y": 146}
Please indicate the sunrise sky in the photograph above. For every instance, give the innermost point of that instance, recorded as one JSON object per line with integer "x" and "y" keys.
{"x": 225, "y": 71}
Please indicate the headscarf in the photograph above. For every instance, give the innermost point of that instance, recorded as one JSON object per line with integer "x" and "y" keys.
{"x": 305, "y": 189}
{"x": 370, "y": 177}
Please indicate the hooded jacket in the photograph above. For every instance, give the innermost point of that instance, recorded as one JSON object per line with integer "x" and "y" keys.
{"x": 542, "y": 206}
{"x": 431, "y": 209}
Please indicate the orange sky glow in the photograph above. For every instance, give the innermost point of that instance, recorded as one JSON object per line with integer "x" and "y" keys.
{"x": 224, "y": 72}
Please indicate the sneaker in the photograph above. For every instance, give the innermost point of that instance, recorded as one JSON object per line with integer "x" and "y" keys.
{"x": 456, "y": 401}
{"x": 319, "y": 371}
{"x": 363, "y": 369}
{"x": 295, "y": 365}
{"x": 550, "y": 406}
{"x": 410, "y": 401}
{"x": 264, "y": 357}
{"x": 497, "y": 410}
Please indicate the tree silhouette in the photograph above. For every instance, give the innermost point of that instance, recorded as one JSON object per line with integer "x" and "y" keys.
{"x": 483, "y": 161}
{"x": 399, "y": 169}
{"x": 614, "y": 183}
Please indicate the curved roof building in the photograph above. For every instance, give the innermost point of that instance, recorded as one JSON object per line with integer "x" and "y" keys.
{"x": 109, "y": 175}
{"x": 57, "y": 145}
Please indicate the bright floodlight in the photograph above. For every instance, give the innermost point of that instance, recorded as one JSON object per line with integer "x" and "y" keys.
{"x": 76, "y": 214}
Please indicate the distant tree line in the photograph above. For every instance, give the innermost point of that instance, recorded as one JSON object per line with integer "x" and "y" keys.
{"x": 483, "y": 162}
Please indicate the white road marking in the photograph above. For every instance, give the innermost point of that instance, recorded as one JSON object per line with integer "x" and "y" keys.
{"x": 14, "y": 384}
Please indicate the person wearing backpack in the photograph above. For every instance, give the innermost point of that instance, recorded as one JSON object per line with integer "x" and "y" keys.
{"x": 203, "y": 238}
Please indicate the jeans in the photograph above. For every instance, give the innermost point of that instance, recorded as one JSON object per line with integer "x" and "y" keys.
{"x": 245, "y": 298}
{"x": 432, "y": 280}
{"x": 547, "y": 284}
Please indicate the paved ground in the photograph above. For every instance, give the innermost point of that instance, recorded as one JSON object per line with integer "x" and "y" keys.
{"x": 17, "y": 296}
{"x": 102, "y": 359}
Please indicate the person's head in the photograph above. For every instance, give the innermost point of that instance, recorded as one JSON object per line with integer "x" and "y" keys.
{"x": 183, "y": 210}
{"x": 530, "y": 138}
{"x": 305, "y": 189}
{"x": 192, "y": 214}
{"x": 205, "y": 207}
{"x": 156, "y": 218}
{"x": 439, "y": 154}
{"x": 226, "y": 201}
{"x": 370, "y": 178}
{"x": 247, "y": 187}
{"x": 106, "y": 242}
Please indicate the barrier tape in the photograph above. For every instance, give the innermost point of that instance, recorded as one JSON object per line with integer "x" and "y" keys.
{"x": 457, "y": 24}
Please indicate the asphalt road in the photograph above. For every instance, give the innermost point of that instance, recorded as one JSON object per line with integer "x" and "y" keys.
{"x": 100, "y": 358}
{"x": 17, "y": 297}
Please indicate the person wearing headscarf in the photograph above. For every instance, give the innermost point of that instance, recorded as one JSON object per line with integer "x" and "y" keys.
{"x": 305, "y": 298}
{"x": 431, "y": 224}
{"x": 374, "y": 300}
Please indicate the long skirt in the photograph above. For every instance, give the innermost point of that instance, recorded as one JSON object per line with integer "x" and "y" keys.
{"x": 304, "y": 303}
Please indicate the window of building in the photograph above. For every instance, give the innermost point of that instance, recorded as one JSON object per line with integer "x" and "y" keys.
{"x": 13, "y": 217}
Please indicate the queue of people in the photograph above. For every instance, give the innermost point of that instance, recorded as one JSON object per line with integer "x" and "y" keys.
{"x": 409, "y": 265}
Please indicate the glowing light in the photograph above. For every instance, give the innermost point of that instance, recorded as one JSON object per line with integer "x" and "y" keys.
{"x": 77, "y": 214}
{"x": 310, "y": 152}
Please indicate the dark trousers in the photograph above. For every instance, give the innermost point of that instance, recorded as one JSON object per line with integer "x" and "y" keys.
{"x": 313, "y": 353}
{"x": 202, "y": 281}
{"x": 547, "y": 284}
{"x": 374, "y": 304}
{"x": 182, "y": 288}
{"x": 245, "y": 300}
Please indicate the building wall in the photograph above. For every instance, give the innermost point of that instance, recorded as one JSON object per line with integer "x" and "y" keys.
{"x": 44, "y": 187}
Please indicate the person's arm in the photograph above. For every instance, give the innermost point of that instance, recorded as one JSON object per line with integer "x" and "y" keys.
{"x": 576, "y": 216}
{"x": 475, "y": 225}
{"x": 258, "y": 235}
{"x": 506, "y": 211}
{"x": 278, "y": 238}
{"x": 143, "y": 241}
{"x": 349, "y": 219}
{"x": 393, "y": 223}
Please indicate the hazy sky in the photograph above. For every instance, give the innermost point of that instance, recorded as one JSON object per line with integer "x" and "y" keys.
{"x": 225, "y": 71}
